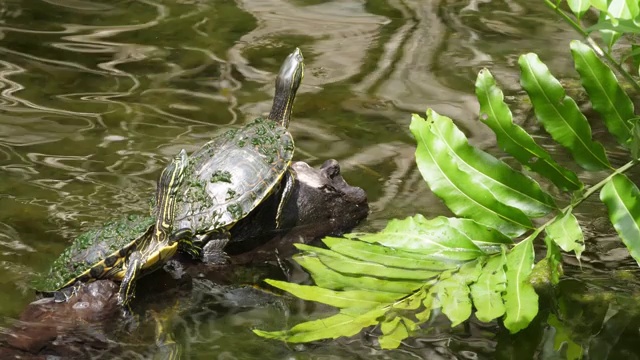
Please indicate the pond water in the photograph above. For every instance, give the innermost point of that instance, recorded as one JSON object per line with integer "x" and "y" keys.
{"x": 96, "y": 96}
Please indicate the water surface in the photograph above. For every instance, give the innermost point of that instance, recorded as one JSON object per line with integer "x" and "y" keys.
{"x": 96, "y": 96}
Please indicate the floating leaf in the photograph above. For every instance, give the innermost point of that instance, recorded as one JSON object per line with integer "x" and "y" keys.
{"x": 560, "y": 115}
{"x": 347, "y": 265}
{"x": 566, "y": 232}
{"x": 514, "y": 139}
{"x": 508, "y": 186}
{"x": 384, "y": 255}
{"x": 453, "y": 297}
{"x": 329, "y": 279}
{"x": 393, "y": 332}
{"x": 521, "y": 300}
{"x": 487, "y": 291}
{"x": 427, "y": 302}
{"x": 345, "y": 323}
{"x": 435, "y": 238}
{"x": 607, "y": 97}
{"x": 621, "y": 197}
{"x": 360, "y": 299}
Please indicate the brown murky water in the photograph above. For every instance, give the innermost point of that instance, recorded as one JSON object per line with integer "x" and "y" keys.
{"x": 95, "y": 96}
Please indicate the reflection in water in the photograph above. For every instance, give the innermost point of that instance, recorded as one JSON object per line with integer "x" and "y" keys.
{"x": 96, "y": 95}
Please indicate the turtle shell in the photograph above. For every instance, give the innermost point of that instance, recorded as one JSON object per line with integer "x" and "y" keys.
{"x": 232, "y": 174}
{"x": 92, "y": 247}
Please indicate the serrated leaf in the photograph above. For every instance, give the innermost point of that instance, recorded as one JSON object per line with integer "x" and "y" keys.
{"x": 436, "y": 238}
{"x": 327, "y": 278}
{"x": 393, "y": 332}
{"x": 605, "y": 93}
{"x": 579, "y": 7}
{"x": 560, "y": 115}
{"x": 515, "y": 140}
{"x": 567, "y": 233}
{"x": 487, "y": 291}
{"x": 333, "y": 327}
{"x": 384, "y": 255}
{"x": 360, "y": 299}
{"x": 349, "y": 266}
{"x": 521, "y": 300}
{"x": 620, "y": 195}
{"x": 508, "y": 186}
{"x": 453, "y": 296}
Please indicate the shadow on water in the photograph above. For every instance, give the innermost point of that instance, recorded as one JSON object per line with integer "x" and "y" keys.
{"x": 95, "y": 96}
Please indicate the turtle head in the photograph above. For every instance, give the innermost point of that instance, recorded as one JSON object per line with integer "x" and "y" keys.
{"x": 287, "y": 83}
{"x": 173, "y": 175}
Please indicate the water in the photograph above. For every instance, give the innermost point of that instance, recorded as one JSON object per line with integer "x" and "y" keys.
{"x": 96, "y": 96}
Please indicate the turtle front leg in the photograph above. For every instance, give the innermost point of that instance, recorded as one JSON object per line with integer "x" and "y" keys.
{"x": 128, "y": 284}
{"x": 289, "y": 180}
{"x": 184, "y": 237}
{"x": 213, "y": 251}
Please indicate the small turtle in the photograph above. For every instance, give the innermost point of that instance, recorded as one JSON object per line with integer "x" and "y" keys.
{"x": 123, "y": 250}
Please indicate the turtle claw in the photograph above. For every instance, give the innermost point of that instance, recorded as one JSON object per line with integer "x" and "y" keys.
{"x": 215, "y": 257}
{"x": 213, "y": 251}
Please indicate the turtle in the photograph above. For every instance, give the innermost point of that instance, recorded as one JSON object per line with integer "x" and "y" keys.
{"x": 122, "y": 250}
{"x": 232, "y": 174}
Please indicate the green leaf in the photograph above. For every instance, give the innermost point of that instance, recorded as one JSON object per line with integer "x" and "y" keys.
{"x": 560, "y": 115}
{"x": 326, "y": 278}
{"x": 412, "y": 302}
{"x": 606, "y": 95}
{"x": 487, "y": 291}
{"x": 359, "y": 299}
{"x": 612, "y": 31}
{"x": 567, "y": 233}
{"x": 427, "y": 302}
{"x": 384, "y": 255}
{"x": 349, "y": 266}
{"x": 453, "y": 296}
{"x": 621, "y": 197}
{"x": 507, "y": 185}
{"x": 521, "y": 300}
{"x": 513, "y": 139}
{"x": 601, "y": 5}
{"x": 554, "y": 260}
{"x": 393, "y": 332}
{"x": 579, "y": 7}
{"x": 438, "y": 238}
{"x": 341, "y": 324}
{"x": 462, "y": 190}
{"x": 635, "y": 138}
{"x": 623, "y": 9}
